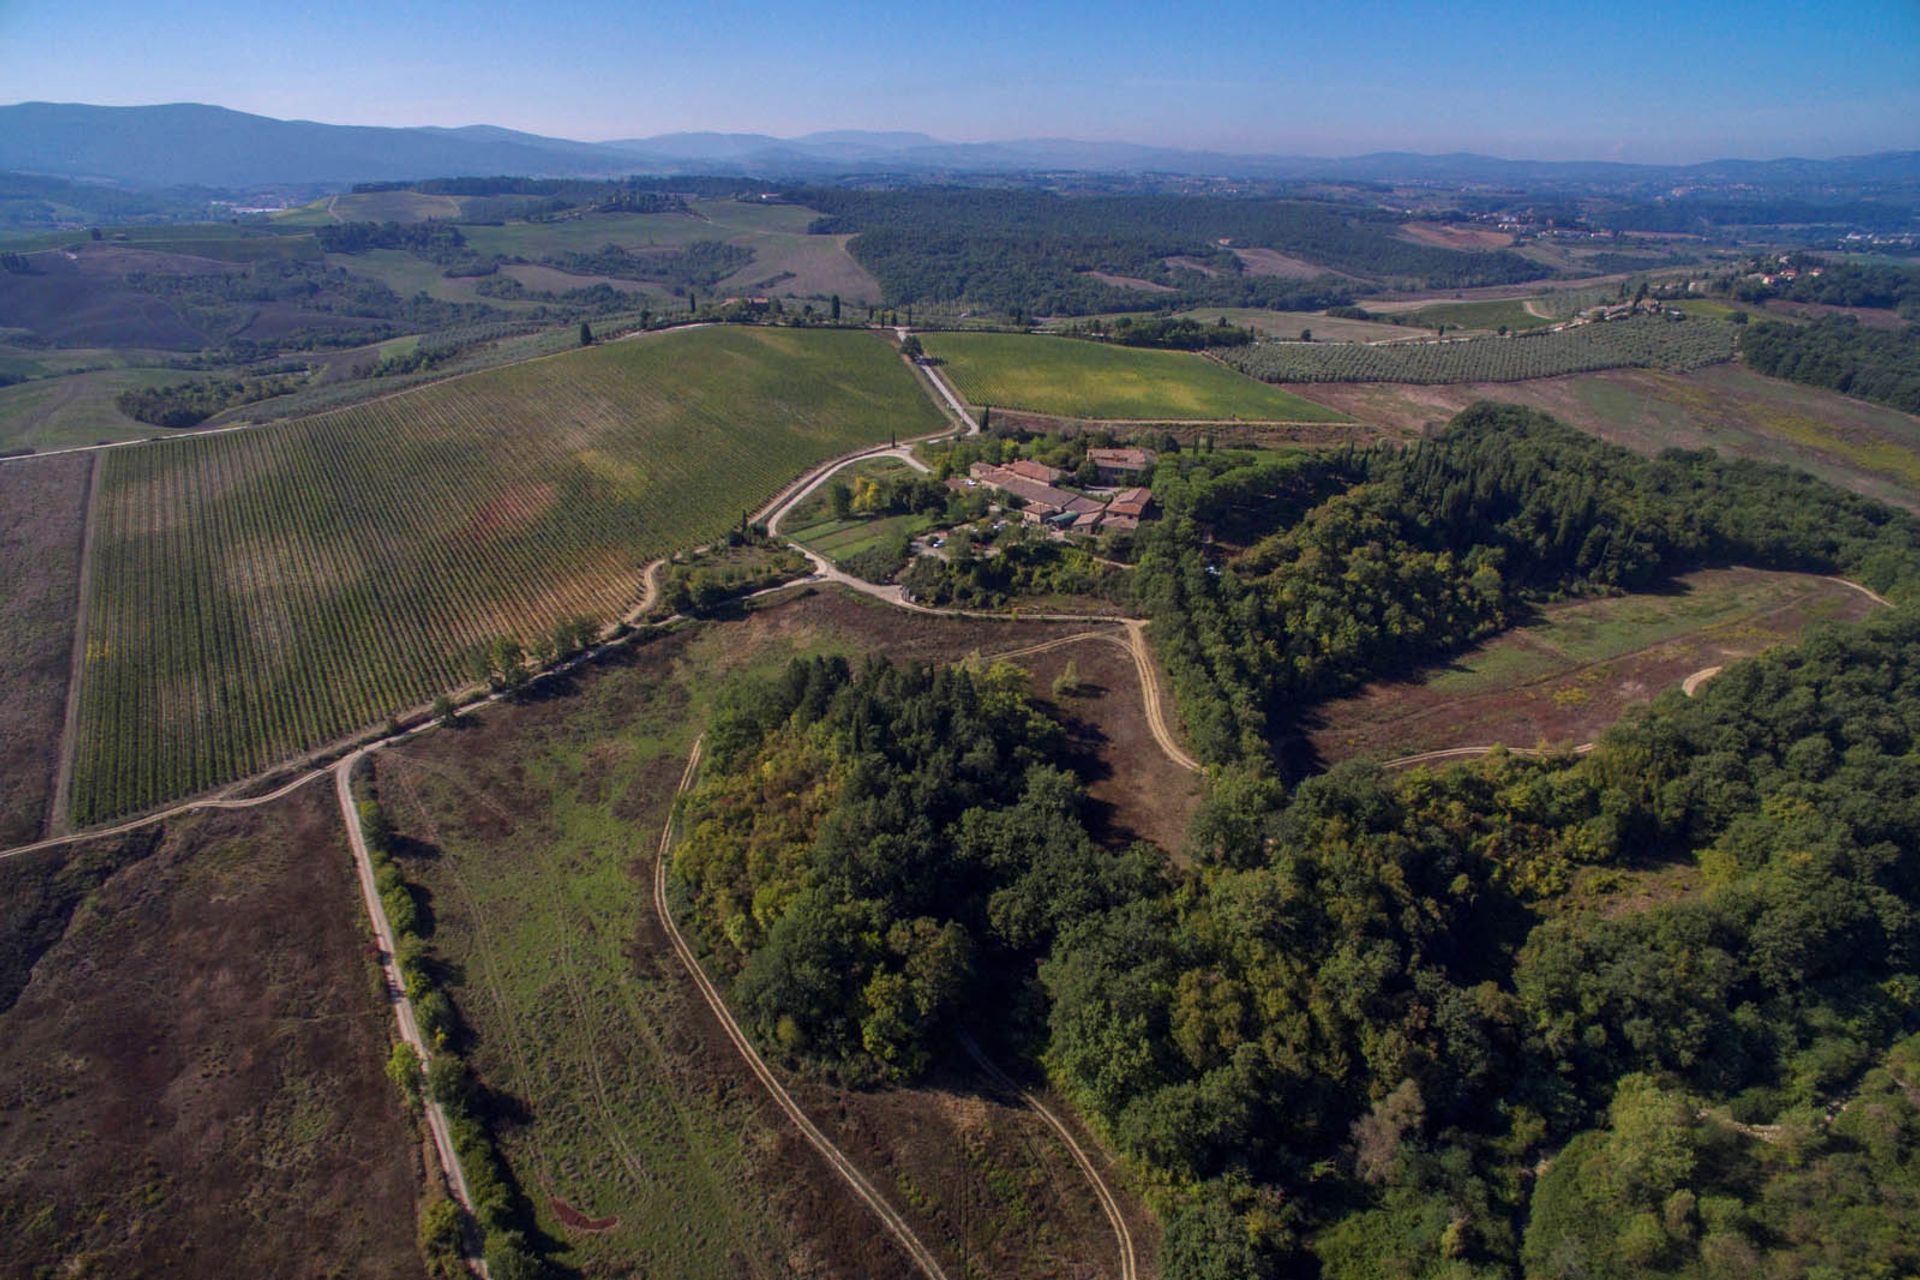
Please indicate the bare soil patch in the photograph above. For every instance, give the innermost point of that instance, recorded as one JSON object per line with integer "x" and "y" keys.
{"x": 1192, "y": 264}
{"x": 1129, "y": 282}
{"x": 1137, "y": 792}
{"x": 982, "y": 1180}
{"x": 83, "y": 300}
{"x": 578, "y": 1221}
{"x": 1272, "y": 262}
{"x": 43, "y": 514}
{"x": 1565, "y": 678}
{"x": 191, "y": 1077}
{"x": 1450, "y": 236}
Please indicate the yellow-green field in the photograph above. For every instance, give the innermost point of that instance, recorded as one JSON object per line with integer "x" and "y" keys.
{"x": 1071, "y": 378}
{"x": 259, "y": 593}
{"x": 77, "y": 409}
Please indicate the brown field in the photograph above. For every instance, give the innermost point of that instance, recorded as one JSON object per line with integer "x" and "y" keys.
{"x": 1128, "y": 282}
{"x": 83, "y": 300}
{"x": 1137, "y": 792}
{"x": 191, "y": 1058}
{"x": 534, "y": 829}
{"x": 1871, "y": 317}
{"x": 1865, "y": 447}
{"x": 43, "y": 512}
{"x": 1272, "y": 262}
{"x": 1564, "y": 678}
{"x": 1448, "y": 236}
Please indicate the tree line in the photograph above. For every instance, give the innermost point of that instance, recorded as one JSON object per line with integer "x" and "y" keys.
{"x": 1418, "y": 552}
{"x": 1841, "y": 354}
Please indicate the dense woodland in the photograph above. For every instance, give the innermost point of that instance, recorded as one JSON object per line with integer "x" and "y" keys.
{"x": 1837, "y": 284}
{"x": 434, "y": 241}
{"x": 1437, "y": 546}
{"x": 188, "y": 404}
{"x": 1843, "y": 355}
{"x": 870, "y": 854}
{"x": 1028, "y": 252}
{"x": 1648, "y": 1012}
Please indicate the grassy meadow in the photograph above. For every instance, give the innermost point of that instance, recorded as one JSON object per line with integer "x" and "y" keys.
{"x": 1565, "y": 676}
{"x": 1071, "y": 378}
{"x": 260, "y": 593}
{"x": 78, "y": 408}
{"x": 1483, "y": 316}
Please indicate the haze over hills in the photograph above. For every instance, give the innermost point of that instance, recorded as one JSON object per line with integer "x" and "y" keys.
{"x": 190, "y": 144}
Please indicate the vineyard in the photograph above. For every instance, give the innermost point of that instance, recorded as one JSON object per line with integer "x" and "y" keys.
{"x": 257, "y": 594}
{"x": 1644, "y": 342}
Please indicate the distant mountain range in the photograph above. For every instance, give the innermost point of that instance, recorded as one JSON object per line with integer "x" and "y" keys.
{"x": 192, "y": 145}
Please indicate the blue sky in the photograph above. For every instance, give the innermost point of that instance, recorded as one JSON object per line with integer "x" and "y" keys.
{"x": 1600, "y": 79}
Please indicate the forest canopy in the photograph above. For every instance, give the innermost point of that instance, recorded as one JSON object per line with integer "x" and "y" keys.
{"x": 1647, "y": 1011}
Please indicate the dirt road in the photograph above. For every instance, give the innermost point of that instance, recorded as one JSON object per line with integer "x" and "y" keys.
{"x": 397, "y": 996}
{"x": 847, "y": 1171}
{"x": 1123, "y": 1237}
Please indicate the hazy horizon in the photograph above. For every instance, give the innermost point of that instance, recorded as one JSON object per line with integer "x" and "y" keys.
{"x": 939, "y": 138}
{"x": 1634, "y": 82}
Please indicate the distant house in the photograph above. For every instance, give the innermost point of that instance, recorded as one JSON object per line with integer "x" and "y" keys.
{"x": 1119, "y": 465}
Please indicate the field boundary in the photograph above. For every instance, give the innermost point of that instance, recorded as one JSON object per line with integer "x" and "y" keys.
{"x": 849, "y": 1173}
{"x": 396, "y": 993}
{"x": 55, "y": 823}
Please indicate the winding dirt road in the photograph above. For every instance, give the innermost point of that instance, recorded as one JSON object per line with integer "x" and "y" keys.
{"x": 847, "y": 1171}
{"x": 1123, "y": 1237}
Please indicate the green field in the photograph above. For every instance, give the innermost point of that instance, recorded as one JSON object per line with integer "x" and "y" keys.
{"x": 259, "y": 593}
{"x": 1709, "y": 308}
{"x": 538, "y": 907}
{"x": 1574, "y": 635}
{"x": 78, "y": 409}
{"x": 1076, "y": 379}
{"x": 1489, "y": 316}
{"x": 1641, "y": 342}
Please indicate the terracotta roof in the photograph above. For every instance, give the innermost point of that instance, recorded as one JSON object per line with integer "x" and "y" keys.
{"x": 1034, "y": 470}
{"x": 1131, "y": 502}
